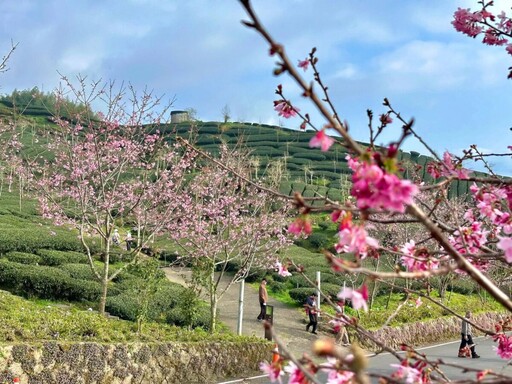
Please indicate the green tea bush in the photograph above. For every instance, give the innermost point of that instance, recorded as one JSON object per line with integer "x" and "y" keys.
{"x": 29, "y": 240}
{"x": 310, "y": 155}
{"x": 53, "y": 257}
{"x": 167, "y": 305}
{"x": 123, "y": 306}
{"x": 462, "y": 286}
{"x": 79, "y": 271}
{"x": 23, "y": 258}
{"x": 46, "y": 283}
{"x": 299, "y": 295}
{"x": 320, "y": 240}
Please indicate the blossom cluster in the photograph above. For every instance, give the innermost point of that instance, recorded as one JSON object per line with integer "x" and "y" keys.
{"x": 447, "y": 167}
{"x": 497, "y": 29}
{"x": 375, "y": 188}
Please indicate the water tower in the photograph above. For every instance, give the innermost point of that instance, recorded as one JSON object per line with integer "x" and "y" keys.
{"x": 179, "y": 116}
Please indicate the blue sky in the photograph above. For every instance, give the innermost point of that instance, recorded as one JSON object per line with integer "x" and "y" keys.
{"x": 198, "y": 52}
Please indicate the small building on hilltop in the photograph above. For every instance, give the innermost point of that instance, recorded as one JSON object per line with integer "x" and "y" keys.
{"x": 179, "y": 116}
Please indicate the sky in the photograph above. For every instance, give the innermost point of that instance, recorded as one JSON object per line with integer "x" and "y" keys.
{"x": 197, "y": 53}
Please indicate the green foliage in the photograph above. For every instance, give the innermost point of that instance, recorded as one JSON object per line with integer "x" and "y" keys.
{"x": 320, "y": 240}
{"x": 23, "y": 258}
{"x": 169, "y": 305}
{"x": 79, "y": 271}
{"x": 53, "y": 257}
{"x": 33, "y": 102}
{"x": 46, "y": 283}
{"x": 26, "y": 321}
{"x": 299, "y": 295}
{"x": 26, "y": 241}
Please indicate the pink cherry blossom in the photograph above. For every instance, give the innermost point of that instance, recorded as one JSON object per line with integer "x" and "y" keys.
{"x": 321, "y": 140}
{"x": 447, "y": 167}
{"x": 410, "y": 375}
{"x": 354, "y": 238}
{"x": 304, "y": 64}
{"x": 417, "y": 259}
{"x": 358, "y": 297}
{"x": 505, "y": 244}
{"x": 281, "y": 270}
{"x": 374, "y": 188}
{"x": 504, "y": 348}
{"x": 340, "y": 377}
{"x": 296, "y": 376}
{"x": 465, "y": 21}
{"x": 300, "y": 225}
{"x": 273, "y": 371}
{"x": 469, "y": 239}
{"x": 385, "y": 119}
{"x": 285, "y": 109}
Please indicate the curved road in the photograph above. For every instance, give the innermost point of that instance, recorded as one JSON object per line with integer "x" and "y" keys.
{"x": 446, "y": 352}
{"x": 289, "y": 324}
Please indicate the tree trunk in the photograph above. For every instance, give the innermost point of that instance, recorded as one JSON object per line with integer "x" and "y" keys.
{"x": 104, "y": 279}
{"x": 213, "y": 302}
{"x": 103, "y": 298}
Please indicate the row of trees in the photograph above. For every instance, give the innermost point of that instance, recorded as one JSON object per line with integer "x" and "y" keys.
{"x": 105, "y": 171}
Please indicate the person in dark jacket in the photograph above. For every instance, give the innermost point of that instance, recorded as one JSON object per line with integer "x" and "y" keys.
{"x": 467, "y": 337}
{"x": 312, "y": 311}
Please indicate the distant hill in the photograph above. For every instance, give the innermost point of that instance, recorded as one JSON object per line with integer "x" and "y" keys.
{"x": 277, "y": 152}
{"x": 306, "y": 170}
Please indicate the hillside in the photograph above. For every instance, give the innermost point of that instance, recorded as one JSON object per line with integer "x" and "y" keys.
{"x": 286, "y": 152}
{"x": 278, "y": 153}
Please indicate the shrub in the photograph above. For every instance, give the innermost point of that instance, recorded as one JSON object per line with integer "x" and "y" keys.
{"x": 320, "y": 240}
{"x": 30, "y": 238}
{"x": 123, "y": 306}
{"x": 278, "y": 286}
{"x": 79, "y": 271}
{"x": 53, "y": 257}
{"x": 167, "y": 305}
{"x": 300, "y": 295}
{"x": 23, "y": 258}
{"x": 46, "y": 283}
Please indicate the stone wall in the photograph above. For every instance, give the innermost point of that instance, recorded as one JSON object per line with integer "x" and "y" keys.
{"x": 162, "y": 363}
{"x": 428, "y": 332}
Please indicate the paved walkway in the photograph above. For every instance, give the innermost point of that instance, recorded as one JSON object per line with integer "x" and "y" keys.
{"x": 289, "y": 323}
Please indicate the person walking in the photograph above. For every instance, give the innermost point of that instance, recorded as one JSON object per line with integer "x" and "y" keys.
{"x": 341, "y": 334}
{"x": 129, "y": 240}
{"x": 467, "y": 338}
{"x": 115, "y": 237}
{"x": 312, "y": 312}
{"x": 263, "y": 297}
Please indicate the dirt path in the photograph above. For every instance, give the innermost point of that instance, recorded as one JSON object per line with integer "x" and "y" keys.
{"x": 289, "y": 323}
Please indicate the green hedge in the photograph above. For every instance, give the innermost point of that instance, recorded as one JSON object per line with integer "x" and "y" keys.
{"x": 53, "y": 257}
{"x": 299, "y": 295}
{"x": 46, "y": 283}
{"x": 23, "y": 258}
{"x": 29, "y": 240}
{"x": 79, "y": 271}
{"x": 164, "y": 306}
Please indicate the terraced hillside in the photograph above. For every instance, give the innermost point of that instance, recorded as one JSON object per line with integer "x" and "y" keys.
{"x": 277, "y": 152}
{"x": 286, "y": 151}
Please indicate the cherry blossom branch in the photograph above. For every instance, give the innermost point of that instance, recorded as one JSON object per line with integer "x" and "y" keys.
{"x": 462, "y": 262}
{"x": 286, "y": 65}
{"x": 6, "y": 57}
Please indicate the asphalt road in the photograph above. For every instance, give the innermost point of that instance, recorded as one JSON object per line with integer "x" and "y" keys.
{"x": 453, "y": 367}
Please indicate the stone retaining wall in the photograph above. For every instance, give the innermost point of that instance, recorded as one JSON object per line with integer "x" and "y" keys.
{"x": 162, "y": 363}
{"x": 428, "y": 332}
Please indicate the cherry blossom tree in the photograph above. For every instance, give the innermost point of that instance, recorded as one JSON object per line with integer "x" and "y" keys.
{"x": 112, "y": 170}
{"x": 465, "y": 244}
{"x": 233, "y": 225}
